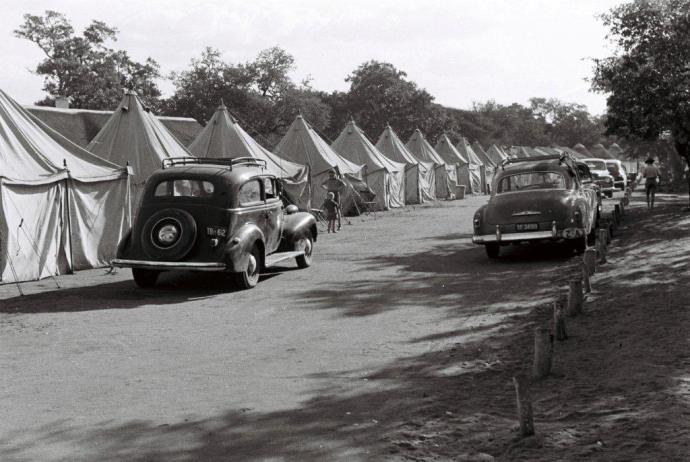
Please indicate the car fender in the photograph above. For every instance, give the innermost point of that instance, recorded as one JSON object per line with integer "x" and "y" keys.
{"x": 295, "y": 227}
{"x": 124, "y": 244}
{"x": 480, "y": 213}
{"x": 240, "y": 244}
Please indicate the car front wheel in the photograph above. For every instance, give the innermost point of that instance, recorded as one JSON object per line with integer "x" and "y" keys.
{"x": 249, "y": 278}
{"x": 145, "y": 278}
{"x": 492, "y": 250}
{"x": 306, "y": 244}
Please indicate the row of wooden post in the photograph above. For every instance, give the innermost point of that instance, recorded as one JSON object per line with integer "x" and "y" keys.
{"x": 563, "y": 307}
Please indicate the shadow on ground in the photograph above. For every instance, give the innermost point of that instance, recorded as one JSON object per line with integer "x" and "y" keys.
{"x": 605, "y": 401}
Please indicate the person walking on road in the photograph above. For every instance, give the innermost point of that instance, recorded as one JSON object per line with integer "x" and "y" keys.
{"x": 334, "y": 185}
{"x": 650, "y": 173}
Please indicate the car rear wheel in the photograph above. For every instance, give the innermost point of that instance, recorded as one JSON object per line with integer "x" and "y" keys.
{"x": 492, "y": 250}
{"x": 145, "y": 278}
{"x": 305, "y": 244}
{"x": 579, "y": 245}
{"x": 248, "y": 278}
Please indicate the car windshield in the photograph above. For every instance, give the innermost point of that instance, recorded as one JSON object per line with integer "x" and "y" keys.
{"x": 596, "y": 164}
{"x": 531, "y": 180}
{"x": 184, "y": 188}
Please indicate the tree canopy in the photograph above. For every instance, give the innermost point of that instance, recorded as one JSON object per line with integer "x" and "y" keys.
{"x": 647, "y": 78}
{"x": 83, "y": 67}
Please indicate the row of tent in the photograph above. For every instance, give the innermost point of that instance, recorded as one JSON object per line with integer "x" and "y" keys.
{"x": 65, "y": 207}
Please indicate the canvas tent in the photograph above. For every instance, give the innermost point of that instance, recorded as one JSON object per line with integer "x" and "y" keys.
{"x": 600, "y": 152}
{"x": 446, "y": 176}
{"x": 63, "y": 208}
{"x": 134, "y": 136}
{"x": 452, "y": 156}
{"x": 384, "y": 176}
{"x": 420, "y": 177}
{"x": 579, "y": 147}
{"x": 496, "y": 154}
{"x": 301, "y": 144}
{"x": 477, "y": 167}
{"x": 222, "y": 137}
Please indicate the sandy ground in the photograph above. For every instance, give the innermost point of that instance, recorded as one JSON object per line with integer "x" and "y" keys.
{"x": 399, "y": 344}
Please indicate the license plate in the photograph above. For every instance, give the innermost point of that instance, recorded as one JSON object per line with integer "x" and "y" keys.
{"x": 527, "y": 226}
{"x": 216, "y": 232}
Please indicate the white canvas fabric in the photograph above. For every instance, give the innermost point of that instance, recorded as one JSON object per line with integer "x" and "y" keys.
{"x": 600, "y": 152}
{"x": 134, "y": 136}
{"x": 496, "y": 154}
{"x": 301, "y": 144}
{"x": 224, "y": 138}
{"x": 354, "y": 145}
{"x": 444, "y": 147}
{"x": 420, "y": 177}
{"x": 62, "y": 207}
{"x": 477, "y": 171}
{"x": 446, "y": 177}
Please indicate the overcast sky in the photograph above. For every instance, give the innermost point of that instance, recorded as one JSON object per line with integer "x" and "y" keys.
{"x": 460, "y": 51}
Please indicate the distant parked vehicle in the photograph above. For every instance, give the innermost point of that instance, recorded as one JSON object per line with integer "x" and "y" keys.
{"x": 601, "y": 175}
{"x": 538, "y": 199}
{"x": 222, "y": 215}
{"x": 618, "y": 172}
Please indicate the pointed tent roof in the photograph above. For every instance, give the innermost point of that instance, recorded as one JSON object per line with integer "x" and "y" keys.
{"x": 303, "y": 145}
{"x": 354, "y": 145}
{"x": 422, "y": 150}
{"x": 600, "y": 151}
{"x": 448, "y": 152}
{"x": 615, "y": 150}
{"x": 579, "y": 147}
{"x": 222, "y": 137}
{"x": 496, "y": 154}
{"x": 134, "y": 135}
{"x": 481, "y": 153}
{"x": 466, "y": 150}
{"x": 392, "y": 147}
{"x": 33, "y": 153}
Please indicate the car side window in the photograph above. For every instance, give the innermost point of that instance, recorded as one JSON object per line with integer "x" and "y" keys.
{"x": 270, "y": 189}
{"x": 250, "y": 193}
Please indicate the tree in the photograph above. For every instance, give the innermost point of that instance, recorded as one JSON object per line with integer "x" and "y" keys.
{"x": 567, "y": 123}
{"x": 83, "y": 67}
{"x": 648, "y": 77}
{"x": 380, "y": 94}
{"x": 259, "y": 93}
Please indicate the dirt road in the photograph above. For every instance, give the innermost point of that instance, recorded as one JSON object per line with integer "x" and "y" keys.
{"x": 400, "y": 317}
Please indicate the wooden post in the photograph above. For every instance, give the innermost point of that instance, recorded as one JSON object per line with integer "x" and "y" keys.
{"x": 622, "y": 207}
{"x": 575, "y": 299}
{"x": 601, "y": 245}
{"x": 524, "y": 405}
{"x": 617, "y": 213}
{"x": 543, "y": 352}
{"x": 590, "y": 259}
{"x": 585, "y": 277}
{"x": 559, "y": 321}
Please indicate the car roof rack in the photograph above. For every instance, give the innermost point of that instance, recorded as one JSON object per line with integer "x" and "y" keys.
{"x": 229, "y": 163}
{"x": 560, "y": 157}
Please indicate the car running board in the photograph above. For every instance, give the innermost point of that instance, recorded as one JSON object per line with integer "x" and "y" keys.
{"x": 277, "y": 257}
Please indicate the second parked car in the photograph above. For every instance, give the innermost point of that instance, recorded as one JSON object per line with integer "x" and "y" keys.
{"x": 538, "y": 199}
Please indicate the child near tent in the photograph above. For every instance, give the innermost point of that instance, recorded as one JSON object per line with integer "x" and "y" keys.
{"x": 331, "y": 207}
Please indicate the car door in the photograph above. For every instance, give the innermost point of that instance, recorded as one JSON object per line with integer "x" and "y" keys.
{"x": 273, "y": 214}
{"x": 589, "y": 194}
{"x": 251, "y": 204}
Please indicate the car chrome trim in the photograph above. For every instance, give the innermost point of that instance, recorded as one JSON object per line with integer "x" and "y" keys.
{"x": 169, "y": 265}
{"x": 526, "y": 213}
{"x": 526, "y": 236}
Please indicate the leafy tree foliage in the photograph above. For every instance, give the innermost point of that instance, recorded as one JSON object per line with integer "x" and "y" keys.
{"x": 83, "y": 67}
{"x": 261, "y": 94}
{"x": 648, "y": 77}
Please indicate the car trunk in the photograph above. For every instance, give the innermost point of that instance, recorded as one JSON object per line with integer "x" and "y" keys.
{"x": 536, "y": 206}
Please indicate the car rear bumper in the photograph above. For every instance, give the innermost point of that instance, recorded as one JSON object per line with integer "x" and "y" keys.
{"x": 169, "y": 265}
{"x": 553, "y": 235}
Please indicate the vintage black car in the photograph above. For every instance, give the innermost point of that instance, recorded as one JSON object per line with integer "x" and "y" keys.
{"x": 539, "y": 199}
{"x": 219, "y": 215}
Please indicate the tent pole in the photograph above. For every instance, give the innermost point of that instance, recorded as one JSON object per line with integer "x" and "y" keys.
{"x": 69, "y": 219}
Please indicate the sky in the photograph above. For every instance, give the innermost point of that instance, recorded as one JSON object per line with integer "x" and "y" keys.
{"x": 461, "y": 51}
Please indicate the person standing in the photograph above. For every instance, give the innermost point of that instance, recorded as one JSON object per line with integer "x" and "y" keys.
{"x": 334, "y": 185}
{"x": 650, "y": 173}
{"x": 331, "y": 207}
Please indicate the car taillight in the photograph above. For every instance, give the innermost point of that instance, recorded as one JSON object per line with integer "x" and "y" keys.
{"x": 577, "y": 218}
{"x": 476, "y": 222}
